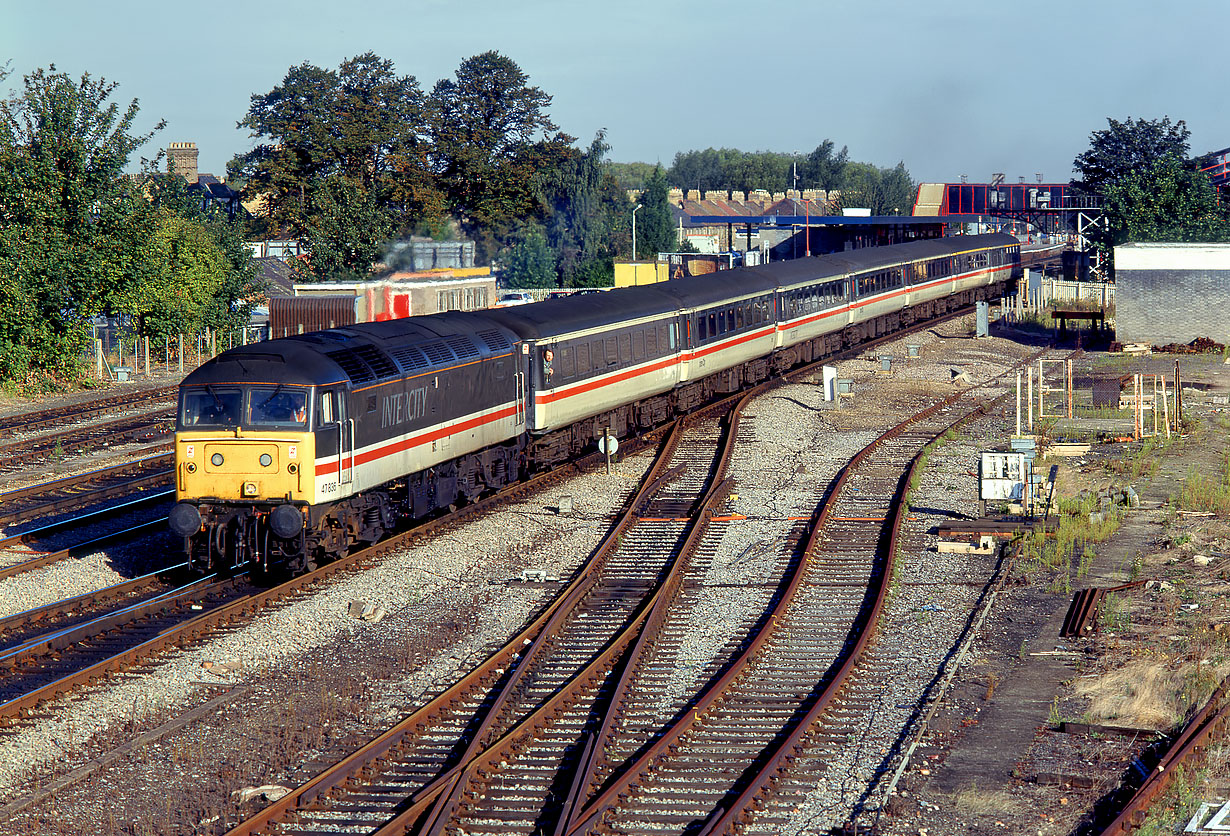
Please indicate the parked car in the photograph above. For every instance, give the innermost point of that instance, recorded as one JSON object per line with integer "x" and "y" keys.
{"x": 514, "y": 297}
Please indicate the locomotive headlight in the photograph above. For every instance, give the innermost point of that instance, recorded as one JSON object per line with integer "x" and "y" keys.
{"x": 292, "y": 468}
{"x": 190, "y": 467}
{"x": 266, "y": 460}
{"x": 216, "y": 459}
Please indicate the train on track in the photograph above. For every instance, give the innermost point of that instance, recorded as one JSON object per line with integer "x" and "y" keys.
{"x": 289, "y": 452}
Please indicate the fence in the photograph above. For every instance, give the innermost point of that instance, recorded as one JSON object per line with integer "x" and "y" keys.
{"x": 121, "y": 355}
{"x": 1101, "y": 294}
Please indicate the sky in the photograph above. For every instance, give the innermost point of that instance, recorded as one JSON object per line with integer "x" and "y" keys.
{"x": 952, "y": 88}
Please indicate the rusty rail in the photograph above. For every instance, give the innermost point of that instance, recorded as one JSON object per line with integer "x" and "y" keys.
{"x": 1210, "y": 720}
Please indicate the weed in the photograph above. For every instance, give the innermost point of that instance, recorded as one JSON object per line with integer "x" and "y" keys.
{"x": 1113, "y": 612}
{"x": 1054, "y": 718}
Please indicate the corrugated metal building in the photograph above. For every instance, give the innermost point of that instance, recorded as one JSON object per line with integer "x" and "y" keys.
{"x": 1172, "y": 293}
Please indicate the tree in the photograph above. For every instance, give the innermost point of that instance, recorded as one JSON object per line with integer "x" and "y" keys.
{"x": 655, "y": 226}
{"x": 823, "y": 169}
{"x": 362, "y": 122}
{"x": 1152, "y": 191}
{"x": 345, "y": 231}
{"x": 531, "y": 262}
{"x": 885, "y": 191}
{"x": 199, "y": 271}
{"x": 1128, "y": 146}
{"x": 587, "y": 216}
{"x": 1165, "y": 200}
{"x": 492, "y": 141}
{"x": 74, "y": 232}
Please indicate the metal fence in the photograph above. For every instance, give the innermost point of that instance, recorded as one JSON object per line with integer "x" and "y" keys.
{"x": 118, "y": 354}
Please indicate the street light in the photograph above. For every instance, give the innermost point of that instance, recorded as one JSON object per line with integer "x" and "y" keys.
{"x": 638, "y": 206}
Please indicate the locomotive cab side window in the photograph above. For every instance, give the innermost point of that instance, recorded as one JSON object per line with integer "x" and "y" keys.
{"x": 326, "y": 412}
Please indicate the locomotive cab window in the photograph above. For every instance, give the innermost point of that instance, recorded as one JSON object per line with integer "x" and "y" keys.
{"x": 210, "y": 406}
{"x": 326, "y": 412}
{"x": 277, "y": 406}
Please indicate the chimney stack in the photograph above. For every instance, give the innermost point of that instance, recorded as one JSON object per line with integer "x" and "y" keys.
{"x": 182, "y": 160}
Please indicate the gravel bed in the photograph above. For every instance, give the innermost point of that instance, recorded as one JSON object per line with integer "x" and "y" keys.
{"x": 456, "y": 584}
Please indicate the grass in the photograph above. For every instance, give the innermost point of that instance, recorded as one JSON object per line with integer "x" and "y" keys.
{"x": 973, "y": 801}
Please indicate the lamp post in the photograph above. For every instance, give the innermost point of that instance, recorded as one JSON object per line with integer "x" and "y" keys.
{"x": 634, "y": 210}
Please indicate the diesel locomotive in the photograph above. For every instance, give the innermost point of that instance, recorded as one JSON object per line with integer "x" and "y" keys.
{"x": 291, "y": 451}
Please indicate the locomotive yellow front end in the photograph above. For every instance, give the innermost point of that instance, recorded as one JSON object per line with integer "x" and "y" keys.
{"x": 244, "y": 475}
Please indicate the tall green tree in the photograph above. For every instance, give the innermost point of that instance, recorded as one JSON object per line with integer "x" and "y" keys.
{"x": 885, "y": 191}
{"x": 199, "y": 273}
{"x": 74, "y": 232}
{"x": 1151, "y": 189}
{"x": 531, "y": 261}
{"x": 586, "y": 213}
{"x": 1125, "y": 147}
{"x": 656, "y": 232}
{"x": 492, "y": 141}
{"x": 1165, "y": 200}
{"x": 346, "y": 230}
{"x": 361, "y": 122}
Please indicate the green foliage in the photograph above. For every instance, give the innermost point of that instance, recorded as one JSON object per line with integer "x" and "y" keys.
{"x": 345, "y": 231}
{"x": 361, "y": 122}
{"x": 655, "y": 228}
{"x": 1126, "y": 147}
{"x": 885, "y": 191}
{"x": 631, "y": 175}
{"x": 531, "y": 262}
{"x": 74, "y": 234}
{"x": 1165, "y": 200}
{"x": 730, "y": 168}
{"x": 493, "y": 140}
{"x": 1151, "y": 190}
{"x": 586, "y": 216}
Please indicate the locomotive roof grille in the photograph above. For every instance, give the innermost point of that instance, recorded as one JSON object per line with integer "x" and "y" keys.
{"x": 438, "y": 353}
{"x": 363, "y": 363}
{"x": 461, "y": 346}
{"x": 495, "y": 341}
{"x": 409, "y": 358}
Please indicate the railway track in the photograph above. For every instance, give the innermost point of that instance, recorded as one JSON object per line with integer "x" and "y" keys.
{"x": 21, "y": 553}
{"x": 26, "y": 422}
{"x": 134, "y": 429}
{"x": 153, "y": 473}
{"x": 570, "y": 765}
{"x": 553, "y": 669}
{"x": 52, "y": 663}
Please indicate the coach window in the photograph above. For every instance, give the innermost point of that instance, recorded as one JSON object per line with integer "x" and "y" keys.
{"x": 651, "y": 341}
{"x": 625, "y": 349}
{"x": 721, "y": 320}
{"x": 567, "y": 363}
{"x": 713, "y": 329}
{"x": 739, "y": 317}
{"x": 583, "y": 359}
{"x": 612, "y": 352}
{"x": 673, "y": 335}
{"x": 638, "y": 345}
{"x": 702, "y": 328}
{"x": 598, "y": 355}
